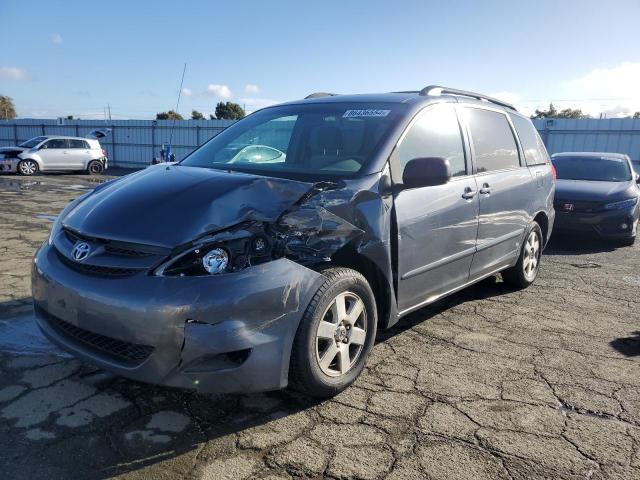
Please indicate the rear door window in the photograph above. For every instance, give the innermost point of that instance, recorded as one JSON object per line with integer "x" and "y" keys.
{"x": 493, "y": 142}
{"x": 535, "y": 152}
{"x": 75, "y": 143}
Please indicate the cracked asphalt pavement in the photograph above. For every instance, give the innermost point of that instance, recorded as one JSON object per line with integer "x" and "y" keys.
{"x": 488, "y": 384}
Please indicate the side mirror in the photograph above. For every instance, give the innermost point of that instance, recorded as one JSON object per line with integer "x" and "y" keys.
{"x": 426, "y": 172}
{"x": 637, "y": 177}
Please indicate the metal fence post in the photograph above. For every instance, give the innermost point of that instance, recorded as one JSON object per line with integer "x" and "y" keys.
{"x": 153, "y": 140}
{"x": 42, "y": 127}
{"x": 197, "y": 135}
{"x": 15, "y": 133}
{"x": 77, "y": 130}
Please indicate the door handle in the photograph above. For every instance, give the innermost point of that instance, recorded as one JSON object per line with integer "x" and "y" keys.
{"x": 485, "y": 190}
{"x": 468, "y": 193}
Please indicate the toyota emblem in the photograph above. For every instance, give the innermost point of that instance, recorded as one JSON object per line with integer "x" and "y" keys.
{"x": 80, "y": 251}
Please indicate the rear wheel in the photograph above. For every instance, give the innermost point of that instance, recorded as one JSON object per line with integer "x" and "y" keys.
{"x": 525, "y": 270}
{"x": 95, "y": 167}
{"x": 27, "y": 167}
{"x": 335, "y": 335}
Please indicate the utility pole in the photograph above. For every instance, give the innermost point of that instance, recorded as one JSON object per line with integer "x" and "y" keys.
{"x": 109, "y": 107}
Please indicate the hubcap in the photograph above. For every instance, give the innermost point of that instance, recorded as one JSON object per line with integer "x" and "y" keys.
{"x": 531, "y": 256}
{"x": 28, "y": 168}
{"x": 341, "y": 334}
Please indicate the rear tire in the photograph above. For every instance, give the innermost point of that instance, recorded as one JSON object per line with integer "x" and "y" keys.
{"x": 27, "y": 168}
{"x": 525, "y": 271}
{"x": 335, "y": 335}
{"x": 95, "y": 167}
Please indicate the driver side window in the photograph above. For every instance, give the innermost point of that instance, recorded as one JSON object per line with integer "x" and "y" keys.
{"x": 435, "y": 133}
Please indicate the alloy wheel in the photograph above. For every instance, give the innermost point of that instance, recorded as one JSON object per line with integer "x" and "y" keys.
{"x": 27, "y": 167}
{"x": 341, "y": 334}
{"x": 531, "y": 255}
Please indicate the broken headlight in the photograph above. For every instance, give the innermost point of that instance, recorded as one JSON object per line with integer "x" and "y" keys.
{"x": 216, "y": 261}
{"x": 214, "y": 258}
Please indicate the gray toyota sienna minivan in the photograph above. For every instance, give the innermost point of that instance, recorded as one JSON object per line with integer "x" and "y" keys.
{"x": 271, "y": 255}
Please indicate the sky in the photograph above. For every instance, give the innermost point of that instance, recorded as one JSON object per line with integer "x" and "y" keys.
{"x": 75, "y": 58}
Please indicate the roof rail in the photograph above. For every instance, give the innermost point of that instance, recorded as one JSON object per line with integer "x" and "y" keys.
{"x": 320, "y": 94}
{"x": 438, "y": 90}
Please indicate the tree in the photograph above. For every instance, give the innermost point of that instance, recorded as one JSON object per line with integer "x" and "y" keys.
{"x": 196, "y": 115}
{"x": 7, "y": 108}
{"x": 636, "y": 115}
{"x": 228, "y": 111}
{"x": 554, "y": 113}
{"x": 170, "y": 115}
{"x": 69, "y": 117}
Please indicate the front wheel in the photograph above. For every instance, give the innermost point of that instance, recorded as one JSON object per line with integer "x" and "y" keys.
{"x": 95, "y": 167}
{"x": 335, "y": 335}
{"x": 525, "y": 270}
{"x": 27, "y": 167}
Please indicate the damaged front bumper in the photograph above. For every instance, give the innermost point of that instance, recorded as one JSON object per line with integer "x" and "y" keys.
{"x": 228, "y": 333}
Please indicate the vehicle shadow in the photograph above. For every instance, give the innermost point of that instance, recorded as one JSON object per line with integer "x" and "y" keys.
{"x": 627, "y": 346}
{"x": 565, "y": 244}
{"x": 490, "y": 287}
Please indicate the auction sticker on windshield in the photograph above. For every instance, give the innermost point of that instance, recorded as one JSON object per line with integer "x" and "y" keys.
{"x": 366, "y": 113}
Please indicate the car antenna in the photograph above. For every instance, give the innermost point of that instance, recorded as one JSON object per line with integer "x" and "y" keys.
{"x": 168, "y": 151}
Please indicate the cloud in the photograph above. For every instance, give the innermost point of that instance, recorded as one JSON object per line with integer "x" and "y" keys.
{"x": 251, "y": 88}
{"x": 611, "y": 91}
{"x": 220, "y": 91}
{"x": 13, "y": 73}
{"x": 186, "y": 92}
{"x": 56, "y": 38}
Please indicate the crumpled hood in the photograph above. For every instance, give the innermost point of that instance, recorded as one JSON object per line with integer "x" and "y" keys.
{"x": 582, "y": 190}
{"x": 172, "y": 205}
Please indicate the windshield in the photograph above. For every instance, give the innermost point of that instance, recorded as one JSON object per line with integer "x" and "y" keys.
{"x": 333, "y": 139}
{"x": 597, "y": 169}
{"x": 33, "y": 142}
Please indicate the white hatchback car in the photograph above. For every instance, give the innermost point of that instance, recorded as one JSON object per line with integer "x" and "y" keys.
{"x": 55, "y": 153}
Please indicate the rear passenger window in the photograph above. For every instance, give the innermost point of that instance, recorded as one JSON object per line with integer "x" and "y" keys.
{"x": 535, "y": 152}
{"x": 74, "y": 143}
{"x": 493, "y": 142}
{"x": 435, "y": 133}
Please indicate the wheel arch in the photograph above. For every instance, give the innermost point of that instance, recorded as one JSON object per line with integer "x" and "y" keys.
{"x": 542, "y": 219}
{"x": 350, "y": 257}
{"x": 33, "y": 159}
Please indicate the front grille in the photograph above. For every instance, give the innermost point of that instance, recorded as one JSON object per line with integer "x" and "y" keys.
{"x": 578, "y": 206}
{"x": 125, "y": 252}
{"x": 97, "y": 270}
{"x": 125, "y": 352}
{"x": 112, "y": 247}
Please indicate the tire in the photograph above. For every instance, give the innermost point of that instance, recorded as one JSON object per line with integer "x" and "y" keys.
{"x": 27, "y": 167}
{"x": 325, "y": 338}
{"x": 95, "y": 167}
{"x": 525, "y": 271}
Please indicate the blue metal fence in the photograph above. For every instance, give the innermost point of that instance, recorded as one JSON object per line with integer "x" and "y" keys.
{"x": 133, "y": 143}
{"x": 619, "y": 135}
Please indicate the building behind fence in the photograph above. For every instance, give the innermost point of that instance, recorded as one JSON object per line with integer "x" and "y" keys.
{"x": 134, "y": 143}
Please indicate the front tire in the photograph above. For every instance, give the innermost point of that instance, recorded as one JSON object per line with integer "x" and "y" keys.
{"x": 335, "y": 335}
{"x": 525, "y": 271}
{"x": 27, "y": 168}
{"x": 95, "y": 167}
